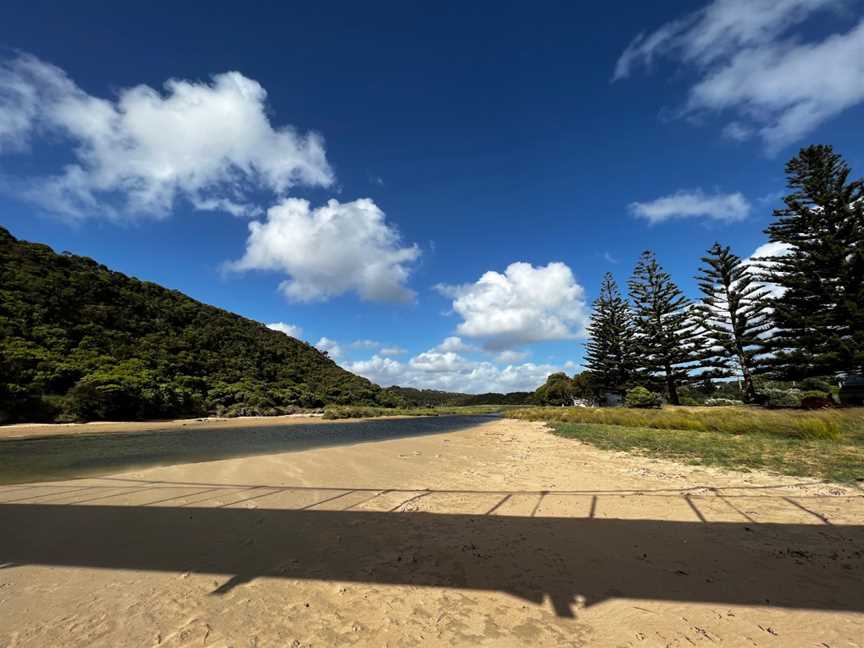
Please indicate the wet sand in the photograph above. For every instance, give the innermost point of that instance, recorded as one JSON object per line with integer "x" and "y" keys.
{"x": 479, "y": 532}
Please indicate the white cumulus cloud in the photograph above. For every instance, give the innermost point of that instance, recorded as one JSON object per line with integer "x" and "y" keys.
{"x": 524, "y": 304}
{"x": 454, "y": 343}
{"x": 451, "y": 372}
{"x": 510, "y": 356}
{"x": 330, "y": 250}
{"x": 752, "y": 61}
{"x": 210, "y": 143}
{"x": 391, "y": 351}
{"x": 380, "y": 370}
{"x": 435, "y": 361}
{"x": 330, "y": 347}
{"x": 365, "y": 344}
{"x": 722, "y": 207}
{"x": 287, "y": 329}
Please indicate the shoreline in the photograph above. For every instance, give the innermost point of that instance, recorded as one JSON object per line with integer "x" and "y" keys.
{"x": 95, "y": 428}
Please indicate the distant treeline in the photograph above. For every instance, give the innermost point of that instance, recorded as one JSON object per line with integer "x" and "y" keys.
{"x": 793, "y": 316}
{"x": 412, "y": 397}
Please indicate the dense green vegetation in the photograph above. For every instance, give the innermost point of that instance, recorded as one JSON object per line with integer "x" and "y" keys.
{"x": 819, "y": 318}
{"x": 610, "y": 353}
{"x": 411, "y": 397}
{"x": 639, "y": 397}
{"x": 80, "y": 342}
{"x": 787, "y": 318}
{"x": 735, "y": 317}
{"x": 827, "y": 444}
{"x": 668, "y": 340}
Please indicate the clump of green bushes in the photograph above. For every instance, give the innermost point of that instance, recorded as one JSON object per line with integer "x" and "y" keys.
{"x": 782, "y": 398}
{"x": 722, "y": 402}
{"x": 640, "y": 397}
{"x": 79, "y": 342}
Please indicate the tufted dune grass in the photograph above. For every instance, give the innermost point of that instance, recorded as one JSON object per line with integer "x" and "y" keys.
{"x": 826, "y": 444}
{"x": 826, "y": 424}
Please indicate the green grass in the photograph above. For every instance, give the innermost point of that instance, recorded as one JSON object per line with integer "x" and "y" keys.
{"x": 351, "y": 411}
{"x": 827, "y": 445}
{"x": 826, "y": 424}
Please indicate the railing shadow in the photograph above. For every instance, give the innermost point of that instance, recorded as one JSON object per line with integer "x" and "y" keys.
{"x": 116, "y": 486}
{"x": 570, "y": 561}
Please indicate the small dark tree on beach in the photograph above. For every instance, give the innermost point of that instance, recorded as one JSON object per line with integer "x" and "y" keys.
{"x": 609, "y": 351}
{"x": 734, "y": 315}
{"x": 668, "y": 342}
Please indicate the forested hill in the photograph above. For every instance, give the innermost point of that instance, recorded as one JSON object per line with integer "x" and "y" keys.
{"x": 411, "y": 397}
{"x": 81, "y": 342}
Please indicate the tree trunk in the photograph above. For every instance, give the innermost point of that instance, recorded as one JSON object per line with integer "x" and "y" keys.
{"x": 749, "y": 388}
{"x": 671, "y": 387}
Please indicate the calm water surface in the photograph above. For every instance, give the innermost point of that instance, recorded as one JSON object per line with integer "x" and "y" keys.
{"x": 65, "y": 457}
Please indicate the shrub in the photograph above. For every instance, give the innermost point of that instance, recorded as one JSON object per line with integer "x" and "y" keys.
{"x": 813, "y": 400}
{"x": 688, "y": 395}
{"x": 557, "y": 390}
{"x": 722, "y": 402}
{"x": 729, "y": 390}
{"x": 814, "y": 393}
{"x": 641, "y": 397}
{"x": 18, "y": 404}
{"x": 782, "y": 398}
{"x": 816, "y": 384}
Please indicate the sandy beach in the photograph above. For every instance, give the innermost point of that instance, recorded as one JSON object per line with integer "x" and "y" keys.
{"x": 39, "y": 430}
{"x": 434, "y": 533}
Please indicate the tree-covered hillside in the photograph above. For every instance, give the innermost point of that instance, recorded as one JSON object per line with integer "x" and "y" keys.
{"x": 80, "y": 342}
{"x": 412, "y": 397}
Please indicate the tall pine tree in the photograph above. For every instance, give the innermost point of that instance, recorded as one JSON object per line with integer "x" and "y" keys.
{"x": 820, "y": 315}
{"x": 609, "y": 352}
{"x": 734, "y": 315}
{"x": 668, "y": 341}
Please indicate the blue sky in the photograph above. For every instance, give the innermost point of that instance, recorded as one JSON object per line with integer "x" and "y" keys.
{"x": 488, "y": 163}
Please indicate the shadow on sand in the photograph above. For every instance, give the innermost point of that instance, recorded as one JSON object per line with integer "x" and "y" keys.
{"x": 572, "y": 561}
